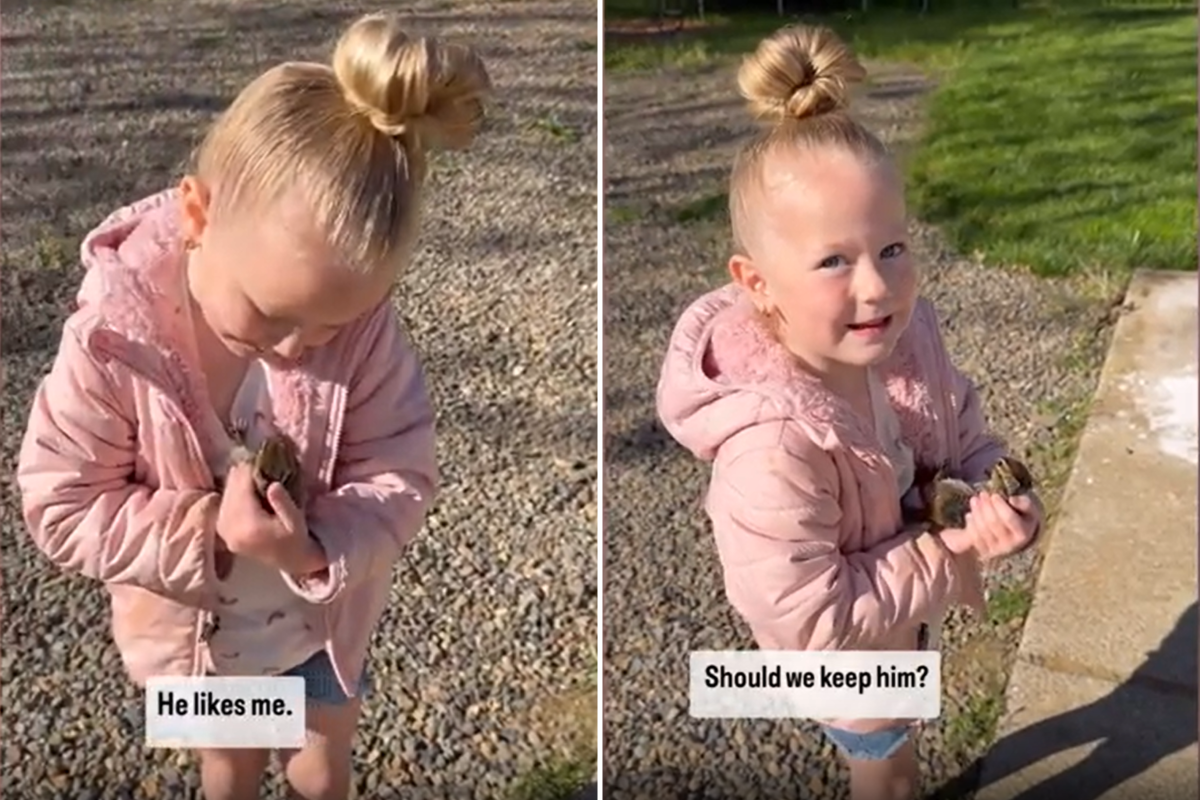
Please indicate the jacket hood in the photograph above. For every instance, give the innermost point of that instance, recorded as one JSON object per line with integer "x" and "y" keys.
{"x": 132, "y": 303}
{"x": 127, "y": 258}
{"x": 724, "y": 372}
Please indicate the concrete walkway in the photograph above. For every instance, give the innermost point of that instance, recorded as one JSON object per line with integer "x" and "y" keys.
{"x": 1102, "y": 702}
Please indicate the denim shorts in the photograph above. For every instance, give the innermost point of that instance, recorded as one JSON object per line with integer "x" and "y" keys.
{"x": 873, "y": 746}
{"x": 320, "y": 681}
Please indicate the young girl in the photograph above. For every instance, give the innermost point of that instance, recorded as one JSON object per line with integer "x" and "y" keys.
{"x": 255, "y": 300}
{"x": 816, "y": 384}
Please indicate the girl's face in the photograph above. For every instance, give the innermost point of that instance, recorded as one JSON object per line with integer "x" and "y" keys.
{"x": 829, "y": 258}
{"x": 267, "y": 285}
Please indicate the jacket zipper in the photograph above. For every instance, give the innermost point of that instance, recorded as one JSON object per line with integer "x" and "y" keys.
{"x": 952, "y": 444}
{"x": 337, "y": 417}
{"x": 949, "y": 426}
{"x": 337, "y": 413}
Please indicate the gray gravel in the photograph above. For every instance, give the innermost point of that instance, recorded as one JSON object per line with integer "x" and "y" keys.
{"x": 669, "y": 141}
{"x": 493, "y": 624}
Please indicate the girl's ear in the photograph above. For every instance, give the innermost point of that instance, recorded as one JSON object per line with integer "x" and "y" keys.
{"x": 194, "y": 199}
{"x": 746, "y": 275}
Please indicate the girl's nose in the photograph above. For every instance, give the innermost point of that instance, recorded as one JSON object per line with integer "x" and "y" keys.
{"x": 870, "y": 282}
{"x": 290, "y": 347}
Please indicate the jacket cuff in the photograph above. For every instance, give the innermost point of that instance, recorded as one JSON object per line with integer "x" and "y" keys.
{"x": 320, "y": 587}
{"x": 966, "y": 582}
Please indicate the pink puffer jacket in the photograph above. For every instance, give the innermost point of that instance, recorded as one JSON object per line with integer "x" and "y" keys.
{"x": 115, "y": 485}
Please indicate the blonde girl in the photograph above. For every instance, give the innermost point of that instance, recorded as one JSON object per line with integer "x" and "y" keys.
{"x": 816, "y": 383}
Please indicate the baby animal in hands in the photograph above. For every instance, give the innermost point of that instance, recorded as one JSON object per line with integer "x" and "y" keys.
{"x": 276, "y": 460}
{"x": 947, "y": 500}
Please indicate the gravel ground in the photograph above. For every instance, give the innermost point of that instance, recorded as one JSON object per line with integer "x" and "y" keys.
{"x": 493, "y": 628}
{"x": 669, "y": 141}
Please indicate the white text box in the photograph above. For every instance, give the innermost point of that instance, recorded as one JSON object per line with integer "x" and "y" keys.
{"x": 232, "y": 712}
{"x": 761, "y": 684}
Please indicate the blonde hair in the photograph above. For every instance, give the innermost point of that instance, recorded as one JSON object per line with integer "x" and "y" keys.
{"x": 797, "y": 81}
{"x": 350, "y": 139}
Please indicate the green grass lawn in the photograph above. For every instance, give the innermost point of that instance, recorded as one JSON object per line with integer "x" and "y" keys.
{"x": 1062, "y": 136}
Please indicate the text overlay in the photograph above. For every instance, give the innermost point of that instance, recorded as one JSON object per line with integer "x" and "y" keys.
{"x": 232, "y": 712}
{"x": 777, "y": 684}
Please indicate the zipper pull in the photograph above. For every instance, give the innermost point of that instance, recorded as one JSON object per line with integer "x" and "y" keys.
{"x": 211, "y": 624}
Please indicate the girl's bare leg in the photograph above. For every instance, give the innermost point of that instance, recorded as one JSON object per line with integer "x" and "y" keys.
{"x": 895, "y": 778}
{"x": 322, "y": 770}
{"x": 232, "y": 774}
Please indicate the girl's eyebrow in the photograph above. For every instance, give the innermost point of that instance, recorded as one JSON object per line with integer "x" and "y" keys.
{"x": 833, "y": 248}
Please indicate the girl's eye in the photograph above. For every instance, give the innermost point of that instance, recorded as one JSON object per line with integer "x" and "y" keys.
{"x": 258, "y": 320}
{"x": 832, "y": 261}
{"x": 893, "y": 250}
{"x": 275, "y": 325}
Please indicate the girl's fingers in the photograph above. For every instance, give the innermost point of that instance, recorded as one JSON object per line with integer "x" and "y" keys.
{"x": 977, "y": 511}
{"x": 982, "y": 511}
{"x": 240, "y": 477}
{"x": 280, "y": 500}
{"x": 980, "y": 525}
{"x": 1006, "y": 516}
{"x": 238, "y": 495}
{"x": 1023, "y": 504}
{"x": 285, "y": 508}
{"x": 1004, "y": 524}
{"x": 1030, "y": 510}
{"x": 1010, "y": 528}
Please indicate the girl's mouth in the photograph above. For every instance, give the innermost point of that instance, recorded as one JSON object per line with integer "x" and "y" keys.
{"x": 872, "y": 327}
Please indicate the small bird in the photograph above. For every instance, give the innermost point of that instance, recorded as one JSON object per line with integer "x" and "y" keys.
{"x": 275, "y": 460}
{"x": 947, "y": 500}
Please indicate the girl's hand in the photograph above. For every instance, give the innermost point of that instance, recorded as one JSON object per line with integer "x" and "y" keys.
{"x": 996, "y": 527}
{"x": 280, "y": 540}
{"x": 1029, "y": 507}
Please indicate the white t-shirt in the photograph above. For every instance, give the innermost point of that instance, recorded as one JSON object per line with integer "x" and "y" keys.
{"x": 264, "y": 628}
{"x": 887, "y": 430}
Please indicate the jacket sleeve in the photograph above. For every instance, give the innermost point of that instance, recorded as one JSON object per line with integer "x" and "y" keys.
{"x": 386, "y": 473}
{"x": 79, "y": 499}
{"x": 979, "y": 449}
{"x": 784, "y": 569}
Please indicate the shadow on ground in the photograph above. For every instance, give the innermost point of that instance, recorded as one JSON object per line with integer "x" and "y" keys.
{"x": 1128, "y": 740}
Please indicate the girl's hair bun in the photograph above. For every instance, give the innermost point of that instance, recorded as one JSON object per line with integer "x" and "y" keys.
{"x": 799, "y": 71}
{"x": 424, "y": 91}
